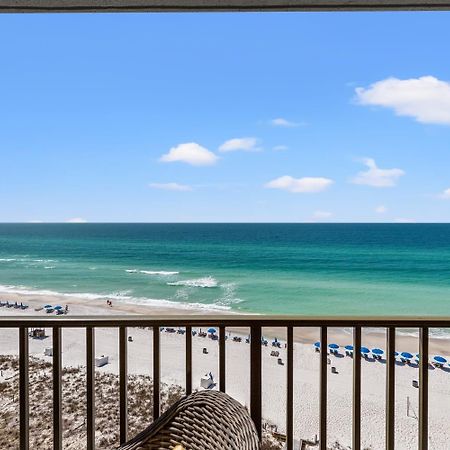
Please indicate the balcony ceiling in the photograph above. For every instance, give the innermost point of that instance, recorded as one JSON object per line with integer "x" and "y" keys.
{"x": 23, "y": 6}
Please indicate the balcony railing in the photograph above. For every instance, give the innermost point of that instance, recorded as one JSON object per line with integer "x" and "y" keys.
{"x": 255, "y": 324}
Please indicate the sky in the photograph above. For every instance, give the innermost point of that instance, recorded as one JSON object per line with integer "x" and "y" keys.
{"x": 250, "y": 117}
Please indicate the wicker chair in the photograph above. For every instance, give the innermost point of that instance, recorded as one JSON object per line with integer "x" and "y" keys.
{"x": 204, "y": 420}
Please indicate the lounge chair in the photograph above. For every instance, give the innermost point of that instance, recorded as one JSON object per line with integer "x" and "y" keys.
{"x": 203, "y": 420}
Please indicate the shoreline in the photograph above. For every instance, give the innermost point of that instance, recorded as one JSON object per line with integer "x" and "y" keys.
{"x": 79, "y": 306}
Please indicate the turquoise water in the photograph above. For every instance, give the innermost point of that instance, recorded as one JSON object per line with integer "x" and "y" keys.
{"x": 328, "y": 269}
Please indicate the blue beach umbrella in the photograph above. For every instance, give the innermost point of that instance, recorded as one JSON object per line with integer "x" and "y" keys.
{"x": 48, "y": 306}
{"x": 211, "y": 330}
{"x": 377, "y": 351}
{"x": 396, "y": 354}
{"x": 365, "y": 350}
{"x": 406, "y": 355}
{"x": 349, "y": 347}
{"x": 333, "y": 346}
{"x": 317, "y": 344}
{"x": 58, "y": 307}
{"x": 439, "y": 359}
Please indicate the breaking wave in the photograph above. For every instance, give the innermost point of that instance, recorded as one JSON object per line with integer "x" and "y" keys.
{"x": 206, "y": 282}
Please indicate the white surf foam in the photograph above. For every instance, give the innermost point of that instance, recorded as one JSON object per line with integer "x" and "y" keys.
{"x": 122, "y": 296}
{"x": 206, "y": 282}
{"x": 158, "y": 272}
{"x": 164, "y": 273}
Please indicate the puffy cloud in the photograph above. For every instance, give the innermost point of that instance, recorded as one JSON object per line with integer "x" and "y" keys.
{"x": 247, "y": 144}
{"x": 171, "y": 186}
{"x": 377, "y": 177}
{"x": 76, "y": 220}
{"x": 426, "y": 99}
{"x": 321, "y": 215}
{"x": 281, "y": 122}
{"x": 381, "y": 209}
{"x": 446, "y": 194}
{"x": 190, "y": 153}
{"x": 300, "y": 185}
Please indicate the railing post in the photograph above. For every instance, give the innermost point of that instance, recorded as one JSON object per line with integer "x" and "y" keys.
{"x": 24, "y": 400}
{"x": 57, "y": 410}
{"x": 255, "y": 376}
{"x": 390, "y": 389}
{"x": 123, "y": 380}
{"x": 222, "y": 359}
{"x": 356, "y": 437}
{"x": 423, "y": 389}
{"x": 323, "y": 388}
{"x": 156, "y": 373}
{"x": 188, "y": 359}
{"x": 90, "y": 388}
{"x": 290, "y": 390}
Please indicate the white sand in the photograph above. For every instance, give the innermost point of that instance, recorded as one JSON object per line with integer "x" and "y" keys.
{"x": 306, "y": 376}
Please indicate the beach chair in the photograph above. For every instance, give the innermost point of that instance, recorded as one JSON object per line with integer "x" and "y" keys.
{"x": 207, "y": 419}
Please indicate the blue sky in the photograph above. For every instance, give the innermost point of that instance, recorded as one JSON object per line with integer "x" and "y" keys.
{"x": 225, "y": 117}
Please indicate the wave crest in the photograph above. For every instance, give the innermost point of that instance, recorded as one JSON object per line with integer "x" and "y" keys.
{"x": 206, "y": 282}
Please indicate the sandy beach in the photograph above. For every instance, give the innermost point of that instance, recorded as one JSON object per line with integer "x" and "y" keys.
{"x": 306, "y": 371}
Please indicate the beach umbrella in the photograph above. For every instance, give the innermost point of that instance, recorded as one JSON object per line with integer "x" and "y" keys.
{"x": 333, "y": 346}
{"x": 211, "y": 330}
{"x": 406, "y": 355}
{"x": 58, "y": 307}
{"x": 396, "y": 354}
{"x": 439, "y": 359}
{"x": 317, "y": 344}
{"x": 48, "y": 306}
{"x": 377, "y": 351}
{"x": 349, "y": 347}
{"x": 365, "y": 350}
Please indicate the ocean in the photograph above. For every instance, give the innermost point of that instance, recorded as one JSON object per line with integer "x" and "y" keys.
{"x": 315, "y": 269}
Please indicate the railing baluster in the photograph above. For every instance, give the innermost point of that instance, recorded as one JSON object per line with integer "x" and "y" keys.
{"x": 57, "y": 410}
{"x": 423, "y": 389}
{"x": 356, "y": 437}
{"x": 255, "y": 376}
{"x": 123, "y": 386}
{"x": 90, "y": 388}
{"x": 188, "y": 359}
{"x": 290, "y": 390}
{"x": 390, "y": 389}
{"x": 24, "y": 400}
{"x": 222, "y": 361}
{"x": 156, "y": 373}
{"x": 323, "y": 388}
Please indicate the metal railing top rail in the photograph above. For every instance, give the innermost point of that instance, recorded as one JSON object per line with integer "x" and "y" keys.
{"x": 27, "y": 6}
{"x": 231, "y": 320}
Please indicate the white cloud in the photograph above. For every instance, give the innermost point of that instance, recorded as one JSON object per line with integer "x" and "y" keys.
{"x": 190, "y": 153}
{"x": 247, "y": 144}
{"x": 321, "y": 215}
{"x": 377, "y": 177}
{"x": 76, "y": 220}
{"x": 300, "y": 185}
{"x": 426, "y": 99}
{"x": 171, "y": 186}
{"x": 280, "y": 148}
{"x": 381, "y": 209}
{"x": 281, "y": 122}
{"x": 446, "y": 194}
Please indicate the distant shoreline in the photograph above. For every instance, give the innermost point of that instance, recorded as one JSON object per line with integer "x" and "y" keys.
{"x": 91, "y": 307}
